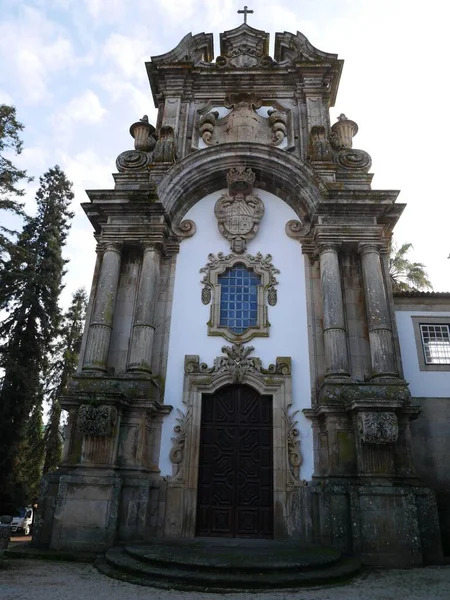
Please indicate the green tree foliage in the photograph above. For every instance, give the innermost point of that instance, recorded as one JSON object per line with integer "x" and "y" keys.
{"x": 406, "y": 275}
{"x": 28, "y": 465}
{"x": 29, "y": 294}
{"x": 10, "y": 176}
{"x": 62, "y": 368}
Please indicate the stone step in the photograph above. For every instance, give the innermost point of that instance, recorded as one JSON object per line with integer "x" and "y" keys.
{"x": 120, "y": 564}
{"x": 243, "y": 555}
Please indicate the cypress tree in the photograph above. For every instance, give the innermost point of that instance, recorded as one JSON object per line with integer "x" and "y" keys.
{"x": 30, "y": 290}
{"x": 63, "y": 366}
{"x": 10, "y": 175}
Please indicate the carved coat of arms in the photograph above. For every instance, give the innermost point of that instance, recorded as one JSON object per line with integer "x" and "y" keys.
{"x": 239, "y": 212}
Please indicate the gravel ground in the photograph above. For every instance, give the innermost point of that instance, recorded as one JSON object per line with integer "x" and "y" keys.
{"x": 40, "y": 580}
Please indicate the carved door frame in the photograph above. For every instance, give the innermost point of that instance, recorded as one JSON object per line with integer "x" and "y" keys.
{"x": 235, "y": 367}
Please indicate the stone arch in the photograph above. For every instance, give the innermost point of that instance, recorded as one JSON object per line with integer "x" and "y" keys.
{"x": 204, "y": 172}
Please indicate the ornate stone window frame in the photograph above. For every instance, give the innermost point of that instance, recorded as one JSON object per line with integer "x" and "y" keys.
{"x": 234, "y": 367}
{"x": 267, "y": 293}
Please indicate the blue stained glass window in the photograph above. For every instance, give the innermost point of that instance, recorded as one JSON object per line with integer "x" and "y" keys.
{"x": 239, "y": 298}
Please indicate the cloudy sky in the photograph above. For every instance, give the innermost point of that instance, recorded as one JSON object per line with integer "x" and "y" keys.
{"x": 75, "y": 71}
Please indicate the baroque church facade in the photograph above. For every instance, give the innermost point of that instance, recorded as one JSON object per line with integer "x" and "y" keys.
{"x": 240, "y": 371}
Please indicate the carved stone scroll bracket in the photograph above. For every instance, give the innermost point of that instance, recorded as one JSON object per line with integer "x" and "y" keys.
{"x": 96, "y": 420}
{"x": 378, "y": 427}
{"x": 353, "y": 160}
{"x": 132, "y": 160}
{"x": 176, "y": 453}
{"x": 165, "y": 148}
{"x": 296, "y": 230}
{"x": 185, "y": 229}
{"x": 295, "y": 458}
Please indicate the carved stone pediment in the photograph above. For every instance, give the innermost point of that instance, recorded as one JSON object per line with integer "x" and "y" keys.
{"x": 237, "y": 362}
{"x": 196, "y": 49}
{"x": 297, "y": 48}
{"x": 243, "y": 123}
{"x": 243, "y": 48}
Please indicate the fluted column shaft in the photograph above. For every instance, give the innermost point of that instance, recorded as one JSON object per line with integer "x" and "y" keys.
{"x": 141, "y": 348}
{"x": 334, "y": 333}
{"x": 97, "y": 346}
{"x": 378, "y": 315}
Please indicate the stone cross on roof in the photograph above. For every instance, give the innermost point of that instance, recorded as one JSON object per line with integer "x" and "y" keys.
{"x": 245, "y": 12}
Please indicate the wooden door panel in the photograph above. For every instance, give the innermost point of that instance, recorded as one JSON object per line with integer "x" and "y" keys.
{"x": 235, "y": 484}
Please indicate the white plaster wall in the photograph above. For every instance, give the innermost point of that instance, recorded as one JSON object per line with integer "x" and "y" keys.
{"x": 428, "y": 384}
{"x": 288, "y": 332}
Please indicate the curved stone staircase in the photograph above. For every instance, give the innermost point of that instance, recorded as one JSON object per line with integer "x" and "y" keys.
{"x": 227, "y": 565}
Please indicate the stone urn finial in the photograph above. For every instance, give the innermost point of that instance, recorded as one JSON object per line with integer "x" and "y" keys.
{"x": 142, "y": 132}
{"x": 343, "y": 132}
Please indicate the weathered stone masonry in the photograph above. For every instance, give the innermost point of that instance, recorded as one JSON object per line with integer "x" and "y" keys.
{"x": 364, "y": 496}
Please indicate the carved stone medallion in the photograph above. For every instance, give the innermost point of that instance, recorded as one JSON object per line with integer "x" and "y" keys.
{"x": 239, "y": 212}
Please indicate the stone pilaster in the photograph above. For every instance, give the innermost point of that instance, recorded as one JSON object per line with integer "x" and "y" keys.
{"x": 96, "y": 354}
{"x": 140, "y": 357}
{"x": 334, "y": 333}
{"x": 381, "y": 339}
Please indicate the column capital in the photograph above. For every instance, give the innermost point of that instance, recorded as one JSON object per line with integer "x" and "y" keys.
{"x": 152, "y": 247}
{"x": 333, "y": 247}
{"x": 102, "y": 247}
{"x": 369, "y": 247}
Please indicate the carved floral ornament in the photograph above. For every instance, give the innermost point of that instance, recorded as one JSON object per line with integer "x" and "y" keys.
{"x": 244, "y": 123}
{"x": 267, "y": 293}
{"x": 96, "y": 420}
{"x": 378, "y": 427}
{"x": 237, "y": 362}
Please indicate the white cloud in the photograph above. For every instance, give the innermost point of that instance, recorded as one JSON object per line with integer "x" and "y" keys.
{"x": 85, "y": 108}
{"x": 5, "y": 98}
{"x": 42, "y": 51}
{"x": 128, "y": 53}
{"x": 106, "y": 11}
{"x": 137, "y": 102}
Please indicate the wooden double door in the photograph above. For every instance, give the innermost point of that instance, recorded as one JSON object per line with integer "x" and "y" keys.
{"x": 235, "y": 481}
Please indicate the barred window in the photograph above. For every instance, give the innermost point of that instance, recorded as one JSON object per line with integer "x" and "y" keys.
{"x": 435, "y": 343}
{"x": 239, "y": 298}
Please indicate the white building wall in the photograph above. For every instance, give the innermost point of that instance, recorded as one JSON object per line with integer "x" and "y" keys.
{"x": 288, "y": 331}
{"x": 428, "y": 384}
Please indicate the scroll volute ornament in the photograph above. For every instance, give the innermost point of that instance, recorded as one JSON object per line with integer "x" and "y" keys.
{"x": 239, "y": 212}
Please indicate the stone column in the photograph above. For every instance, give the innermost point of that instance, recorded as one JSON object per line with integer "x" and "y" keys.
{"x": 99, "y": 334}
{"x": 334, "y": 334}
{"x": 378, "y": 316}
{"x": 140, "y": 358}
